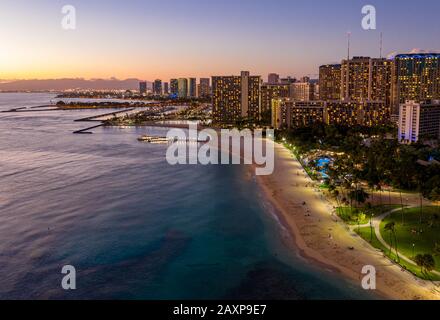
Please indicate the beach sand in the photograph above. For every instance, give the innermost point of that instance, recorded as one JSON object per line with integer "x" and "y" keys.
{"x": 323, "y": 239}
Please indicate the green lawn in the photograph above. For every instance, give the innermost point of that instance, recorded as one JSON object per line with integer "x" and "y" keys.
{"x": 424, "y": 235}
{"x": 365, "y": 233}
{"x": 350, "y": 216}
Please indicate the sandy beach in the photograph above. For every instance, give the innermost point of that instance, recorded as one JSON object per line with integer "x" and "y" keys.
{"x": 324, "y": 240}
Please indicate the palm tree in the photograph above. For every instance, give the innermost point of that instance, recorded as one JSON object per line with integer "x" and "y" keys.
{"x": 368, "y": 209}
{"x": 429, "y": 262}
{"x": 419, "y": 260}
{"x": 401, "y": 204}
{"x": 336, "y": 193}
{"x": 379, "y": 189}
{"x": 426, "y": 262}
{"x": 391, "y": 228}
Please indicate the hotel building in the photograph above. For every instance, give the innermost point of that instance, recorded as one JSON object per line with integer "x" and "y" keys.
{"x": 330, "y": 82}
{"x": 416, "y": 77}
{"x": 419, "y": 120}
{"x": 302, "y": 91}
{"x": 366, "y": 79}
{"x": 288, "y": 113}
{"x": 270, "y": 92}
{"x": 280, "y": 113}
{"x": 306, "y": 113}
{"x": 352, "y": 113}
{"x": 236, "y": 97}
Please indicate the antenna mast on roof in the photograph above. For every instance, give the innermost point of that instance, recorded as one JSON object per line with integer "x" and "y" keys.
{"x": 381, "y": 44}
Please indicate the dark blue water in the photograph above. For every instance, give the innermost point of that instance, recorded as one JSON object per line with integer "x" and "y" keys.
{"x": 133, "y": 226}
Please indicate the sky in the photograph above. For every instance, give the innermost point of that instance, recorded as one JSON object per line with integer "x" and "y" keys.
{"x": 200, "y": 38}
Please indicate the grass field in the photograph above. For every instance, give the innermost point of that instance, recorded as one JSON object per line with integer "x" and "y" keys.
{"x": 410, "y": 232}
{"x": 365, "y": 233}
{"x": 350, "y": 216}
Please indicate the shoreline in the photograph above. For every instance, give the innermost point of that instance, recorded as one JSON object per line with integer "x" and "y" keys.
{"x": 322, "y": 239}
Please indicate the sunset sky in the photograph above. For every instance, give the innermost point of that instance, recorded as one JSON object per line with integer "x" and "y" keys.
{"x": 182, "y": 38}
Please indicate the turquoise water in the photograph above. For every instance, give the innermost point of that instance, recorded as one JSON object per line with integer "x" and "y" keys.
{"x": 322, "y": 163}
{"x": 133, "y": 226}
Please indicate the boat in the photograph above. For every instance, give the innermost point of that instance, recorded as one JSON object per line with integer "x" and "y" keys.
{"x": 154, "y": 140}
{"x": 164, "y": 140}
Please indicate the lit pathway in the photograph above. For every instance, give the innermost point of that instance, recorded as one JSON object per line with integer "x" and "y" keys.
{"x": 376, "y": 224}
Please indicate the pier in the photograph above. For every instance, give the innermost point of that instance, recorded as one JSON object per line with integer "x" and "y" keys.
{"x": 108, "y": 115}
{"x": 87, "y": 130}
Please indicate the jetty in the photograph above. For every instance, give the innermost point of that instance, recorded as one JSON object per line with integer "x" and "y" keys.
{"x": 87, "y": 130}
{"x": 98, "y": 118}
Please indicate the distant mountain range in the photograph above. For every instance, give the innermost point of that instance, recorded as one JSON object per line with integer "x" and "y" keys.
{"x": 68, "y": 84}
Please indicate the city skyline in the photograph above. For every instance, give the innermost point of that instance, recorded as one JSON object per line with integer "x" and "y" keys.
{"x": 175, "y": 40}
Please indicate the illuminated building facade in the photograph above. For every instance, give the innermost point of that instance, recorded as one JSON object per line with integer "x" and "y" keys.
{"x": 236, "y": 97}
{"x": 352, "y": 113}
{"x": 272, "y": 91}
{"x": 288, "y": 113}
{"x": 305, "y": 113}
{"x": 419, "y": 120}
{"x": 302, "y": 91}
{"x": 366, "y": 79}
{"x": 330, "y": 82}
{"x": 280, "y": 113}
{"x": 416, "y": 77}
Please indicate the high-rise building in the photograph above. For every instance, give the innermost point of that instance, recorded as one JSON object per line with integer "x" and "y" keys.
{"x": 419, "y": 120}
{"x": 366, "y": 79}
{"x": 166, "y": 89}
{"x": 174, "y": 87}
{"x": 287, "y": 113}
{"x": 306, "y": 113}
{"x": 270, "y": 92}
{"x": 192, "y": 89}
{"x": 183, "y": 88}
{"x": 330, "y": 82}
{"x": 273, "y": 78}
{"x": 302, "y": 91}
{"x": 204, "y": 88}
{"x": 157, "y": 87}
{"x": 143, "y": 87}
{"x": 416, "y": 77}
{"x": 280, "y": 113}
{"x": 236, "y": 97}
{"x": 352, "y": 113}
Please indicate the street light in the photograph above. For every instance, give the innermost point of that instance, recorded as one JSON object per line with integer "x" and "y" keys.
{"x": 414, "y": 250}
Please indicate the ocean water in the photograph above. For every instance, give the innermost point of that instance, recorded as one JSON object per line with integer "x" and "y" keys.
{"x": 133, "y": 226}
